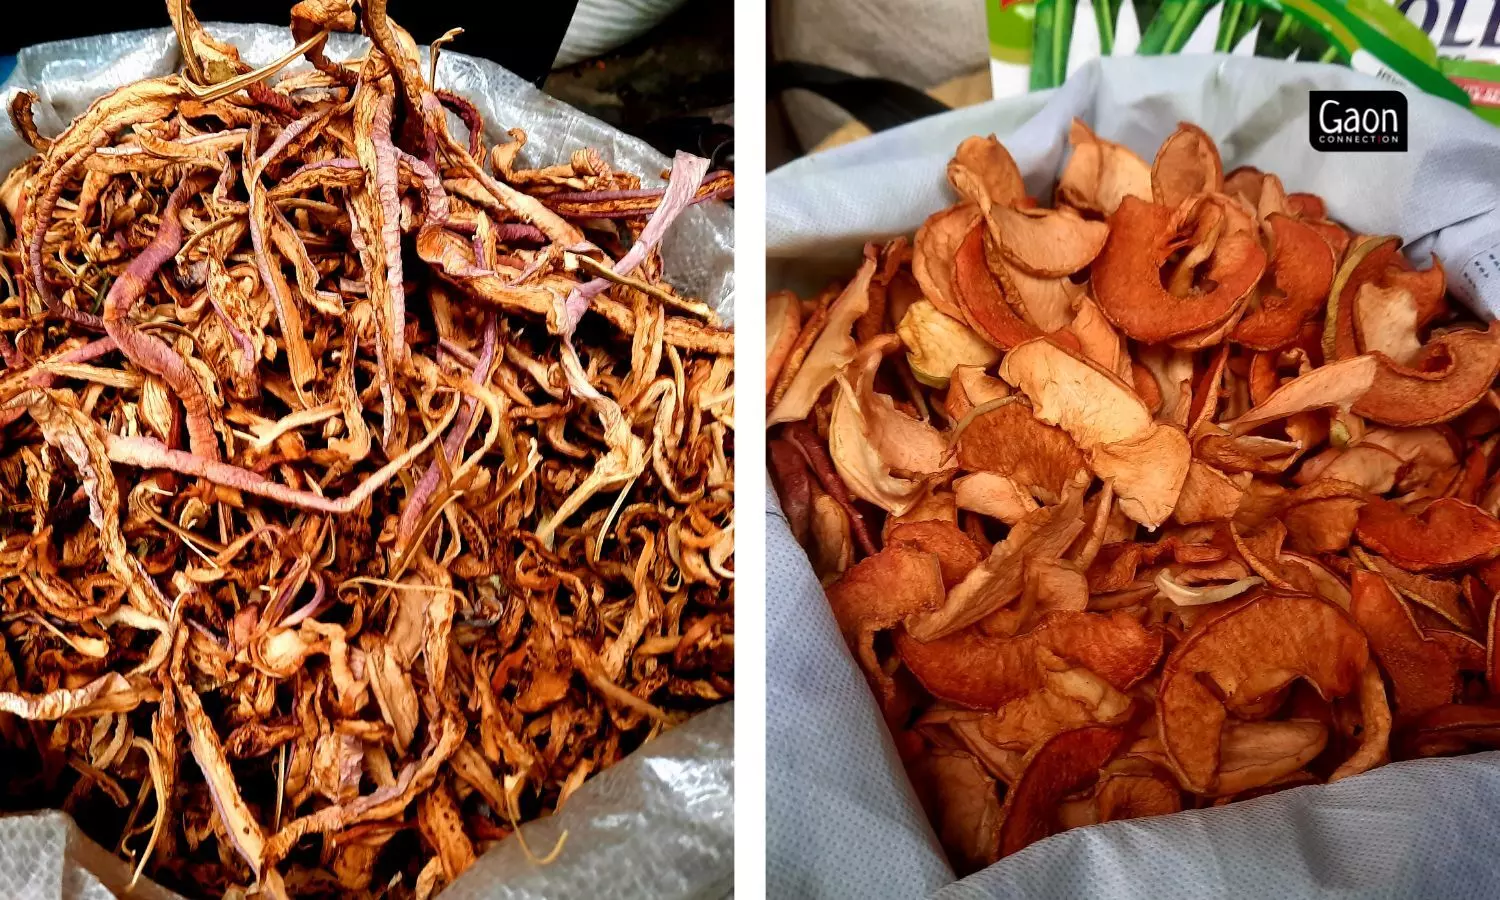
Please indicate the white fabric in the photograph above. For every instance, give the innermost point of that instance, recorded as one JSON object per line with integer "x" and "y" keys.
{"x": 600, "y": 26}
{"x": 842, "y": 820}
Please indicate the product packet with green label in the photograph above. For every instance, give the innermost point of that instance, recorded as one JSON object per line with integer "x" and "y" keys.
{"x": 1444, "y": 47}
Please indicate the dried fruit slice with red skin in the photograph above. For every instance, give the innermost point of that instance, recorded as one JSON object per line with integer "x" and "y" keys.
{"x": 1491, "y": 658}
{"x": 1385, "y": 322}
{"x": 832, "y": 350}
{"x": 1437, "y": 594}
{"x": 1422, "y": 675}
{"x": 984, "y": 671}
{"x": 1448, "y": 534}
{"x": 1011, "y": 441}
{"x": 793, "y": 486}
{"x": 1364, "y": 262}
{"x": 1340, "y": 384}
{"x": 783, "y": 325}
{"x": 983, "y": 170}
{"x": 1043, "y": 303}
{"x": 1375, "y": 724}
{"x": 1068, "y": 390}
{"x": 1446, "y": 730}
{"x": 1335, "y": 234}
{"x": 1207, "y": 394}
{"x": 1468, "y": 655}
{"x": 979, "y": 296}
{"x": 963, "y": 803}
{"x": 956, "y": 552}
{"x": 1255, "y": 754}
{"x": 1250, "y": 651}
{"x": 1187, "y": 163}
{"x": 1051, "y": 771}
{"x": 879, "y": 593}
{"x": 1127, "y": 276}
{"x": 1132, "y": 796}
{"x": 1046, "y": 243}
{"x": 1300, "y": 271}
{"x": 1428, "y": 287}
{"x": 1146, "y": 471}
{"x": 1306, "y": 206}
{"x": 935, "y": 246}
{"x": 1101, "y": 173}
{"x": 1448, "y": 376}
{"x": 1245, "y": 181}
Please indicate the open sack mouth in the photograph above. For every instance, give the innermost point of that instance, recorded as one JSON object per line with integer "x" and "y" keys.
{"x": 367, "y": 489}
{"x": 1170, "y": 492}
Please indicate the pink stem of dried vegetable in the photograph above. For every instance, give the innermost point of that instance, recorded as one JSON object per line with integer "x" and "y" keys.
{"x": 687, "y": 174}
{"x": 90, "y": 351}
{"x": 469, "y": 115}
{"x": 411, "y": 516}
{"x": 147, "y": 352}
{"x": 388, "y": 193}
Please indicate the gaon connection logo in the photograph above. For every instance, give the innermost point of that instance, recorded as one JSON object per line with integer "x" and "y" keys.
{"x": 1357, "y": 121}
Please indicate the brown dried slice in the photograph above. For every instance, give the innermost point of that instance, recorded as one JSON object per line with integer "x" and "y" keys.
{"x": 1455, "y": 728}
{"x": 1295, "y": 285}
{"x": 997, "y": 581}
{"x": 1439, "y": 595}
{"x": 956, "y": 552}
{"x": 1340, "y": 384}
{"x": 1049, "y": 773}
{"x": 1101, "y": 173}
{"x": 1092, "y": 405}
{"x": 937, "y": 344}
{"x": 984, "y": 671}
{"x": 979, "y": 296}
{"x": 1127, "y": 276}
{"x": 881, "y": 592}
{"x": 1255, "y": 754}
{"x": 832, "y": 350}
{"x": 1247, "y": 653}
{"x": 933, "y": 251}
{"x": 1422, "y": 675}
{"x": 1133, "y": 795}
{"x": 984, "y": 173}
{"x": 994, "y": 495}
{"x": 1385, "y": 322}
{"x": 783, "y": 325}
{"x": 1010, "y": 441}
{"x": 1046, "y": 243}
{"x": 1186, "y": 164}
{"x": 1375, "y": 728}
{"x": 1147, "y": 472}
{"x": 1370, "y": 466}
{"x": 1044, "y": 303}
{"x": 1364, "y": 262}
{"x": 1448, "y": 534}
{"x": 1068, "y": 698}
{"x": 1209, "y": 494}
{"x": 1448, "y": 376}
{"x": 963, "y": 802}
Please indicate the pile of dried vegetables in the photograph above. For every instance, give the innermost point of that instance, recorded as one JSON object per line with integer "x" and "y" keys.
{"x": 364, "y": 491}
{"x": 1173, "y": 494}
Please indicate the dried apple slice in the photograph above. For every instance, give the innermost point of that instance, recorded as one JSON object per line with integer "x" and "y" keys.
{"x": 1298, "y": 277}
{"x": 956, "y": 552}
{"x": 1101, "y": 173}
{"x": 933, "y": 251}
{"x": 1050, "y": 772}
{"x": 937, "y": 344}
{"x": 1455, "y": 728}
{"x": 1255, "y": 754}
{"x": 1341, "y": 384}
{"x": 1364, "y": 262}
{"x": 979, "y": 296}
{"x": 783, "y": 325}
{"x": 1449, "y": 534}
{"x": 1186, "y": 164}
{"x": 964, "y": 805}
{"x": 983, "y": 172}
{"x": 1092, "y": 405}
{"x": 1423, "y": 676}
{"x": 1449, "y": 375}
{"x": 881, "y": 592}
{"x": 1375, "y": 728}
{"x": 1440, "y": 595}
{"x": 1385, "y": 322}
{"x": 984, "y": 671}
{"x": 1043, "y": 303}
{"x": 1129, "y": 795}
{"x": 1147, "y": 472}
{"x": 994, "y": 495}
{"x": 1127, "y": 276}
{"x": 1010, "y": 441}
{"x": 1068, "y": 698}
{"x": 832, "y": 350}
{"x": 1247, "y": 653}
{"x": 1047, "y": 243}
{"x": 1209, "y": 494}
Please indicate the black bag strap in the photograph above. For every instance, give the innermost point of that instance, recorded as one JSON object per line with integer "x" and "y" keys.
{"x": 878, "y": 103}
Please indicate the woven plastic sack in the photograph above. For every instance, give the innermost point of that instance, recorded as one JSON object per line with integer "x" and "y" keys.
{"x": 658, "y": 824}
{"x": 842, "y": 818}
